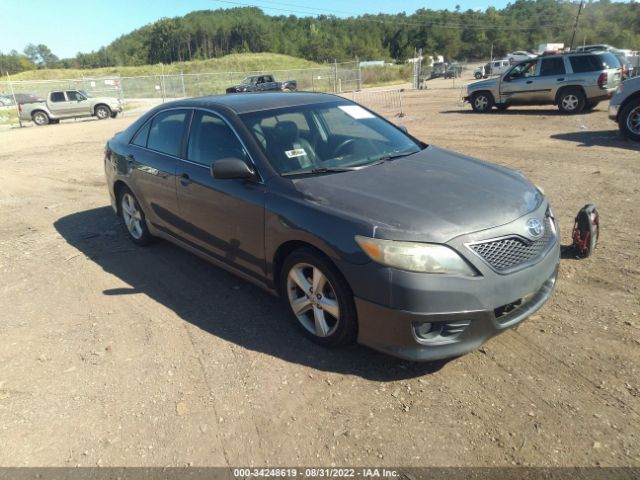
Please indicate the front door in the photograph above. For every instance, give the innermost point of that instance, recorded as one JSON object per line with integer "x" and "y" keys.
{"x": 78, "y": 103}
{"x": 518, "y": 85}
{"x": 225, "y": 218}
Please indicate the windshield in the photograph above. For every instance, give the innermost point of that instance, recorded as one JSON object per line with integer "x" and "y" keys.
{"x": 326, "y": 137}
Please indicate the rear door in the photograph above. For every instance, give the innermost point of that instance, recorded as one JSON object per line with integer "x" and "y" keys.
{"x": 153, "y": 159}
{"x": 59, "y": 105}
{"x": 225, "y": 218}
{"x": 553, "y": 75}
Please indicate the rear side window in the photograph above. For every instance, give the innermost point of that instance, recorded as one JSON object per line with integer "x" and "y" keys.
{"x": 167, "y": 130}
{"x": 610, "y": 60}
{"x": 211, "y": 139}
{"x": 141, "y": 137}
{"x": 586, "y": 63}
{"x": 58, "y": 97}
{"x": 552, "y": 66}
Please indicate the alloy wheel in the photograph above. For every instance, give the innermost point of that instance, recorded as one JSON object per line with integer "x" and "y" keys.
{"x": 132, "y": 216}
{"x": 633, "y": 121}
{"x": 481, "y": 103}
{"x": 570, "y": 102}
{"x": 313, "y": 299}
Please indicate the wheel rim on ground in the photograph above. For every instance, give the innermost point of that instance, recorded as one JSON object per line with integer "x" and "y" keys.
{"x": 481, "y": 102}
{"x": 313, "y": 300}
{"x": 633, "y": 121}
{"x": 570, "y": 102}
{"x": 102, "y": 113}
{"x": 132, "y": 216}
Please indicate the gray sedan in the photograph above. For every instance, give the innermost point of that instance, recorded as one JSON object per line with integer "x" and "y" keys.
{"x": 367, "y": 233}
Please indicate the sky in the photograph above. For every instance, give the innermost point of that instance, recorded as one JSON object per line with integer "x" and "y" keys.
{"x": 68, "y": 27}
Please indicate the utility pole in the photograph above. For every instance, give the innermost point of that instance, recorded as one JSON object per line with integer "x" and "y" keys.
{"x": 15, "y": 102}
{"x": 575, "y": 25}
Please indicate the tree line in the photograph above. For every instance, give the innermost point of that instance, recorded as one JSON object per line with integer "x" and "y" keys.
{"x": 456, "y": 34}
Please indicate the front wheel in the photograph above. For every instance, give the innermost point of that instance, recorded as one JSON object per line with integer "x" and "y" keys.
{"x": 319, "y": 298}
{"x": 103, "y": 112}
{"x": 481, "y": 102}
{"x": 590, "y": 106}
{"x": 478, "y": 75}
{"x": 629, "y": 120}
{"x": 571, "y": 101}
{"x": 114, "y": 114}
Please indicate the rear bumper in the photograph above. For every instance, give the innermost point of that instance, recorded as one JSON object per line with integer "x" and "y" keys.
{"x": 394, "y": 331}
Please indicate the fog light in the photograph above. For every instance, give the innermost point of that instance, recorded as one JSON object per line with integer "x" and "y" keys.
{"x": 437, "y": 333}
{"x": 426, "y": 330}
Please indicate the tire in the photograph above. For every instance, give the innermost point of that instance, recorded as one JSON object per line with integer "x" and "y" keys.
{"x": 571, "y": 101}
{"x": 328, "y": 318}
{"x": 629, "y": 120}
{"x": 588, "y": 106}
{"x": 133, "y": 218}
{"x": 114, "y": 114}
{"x": 502, "y": 107}
{"x": 102, "y": 112}
{"x": 477, "y": 75}
{"x": 482, "y": 102}
{"x": 40, "y": 118}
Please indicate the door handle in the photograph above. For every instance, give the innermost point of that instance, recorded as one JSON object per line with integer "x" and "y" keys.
{"x": 561, "y": 79}
{"x": 185, "y": 179}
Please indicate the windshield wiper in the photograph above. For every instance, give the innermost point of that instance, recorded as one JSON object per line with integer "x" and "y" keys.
{"x": 393, "y": 156}
{"x": 320, "y": 170}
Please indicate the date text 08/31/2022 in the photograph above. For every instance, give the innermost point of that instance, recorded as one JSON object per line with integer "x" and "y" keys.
{"x": 315, "y": 472}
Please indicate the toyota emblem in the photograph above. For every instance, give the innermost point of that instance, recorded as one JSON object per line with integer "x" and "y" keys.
{"x": 535, "y": 227}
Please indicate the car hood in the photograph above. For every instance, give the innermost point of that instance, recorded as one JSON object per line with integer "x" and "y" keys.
{"x": 483, "y": 84}
{"x": 432, "y": 196}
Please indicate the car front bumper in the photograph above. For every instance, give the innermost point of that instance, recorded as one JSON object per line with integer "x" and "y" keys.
{"x": 395, "y": 307}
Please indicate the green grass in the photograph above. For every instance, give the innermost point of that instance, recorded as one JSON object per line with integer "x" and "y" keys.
{"x": 8, "y": 116}
{"x": 240, "y": 62}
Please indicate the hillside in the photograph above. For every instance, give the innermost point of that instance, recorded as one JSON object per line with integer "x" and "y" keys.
{"x": 237, "y": 62}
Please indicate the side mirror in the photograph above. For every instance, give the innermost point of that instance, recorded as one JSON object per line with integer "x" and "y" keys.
{"x": 231, "y": 168}
{"x": 403, "y": 128}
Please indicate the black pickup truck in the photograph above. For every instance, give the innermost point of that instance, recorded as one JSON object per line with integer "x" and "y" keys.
{"x": 263, "y": 83}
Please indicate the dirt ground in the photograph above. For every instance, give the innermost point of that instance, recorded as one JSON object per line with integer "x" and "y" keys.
{"x": 116, "y": 355}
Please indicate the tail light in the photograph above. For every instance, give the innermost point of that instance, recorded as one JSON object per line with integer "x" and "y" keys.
{"x": 602, "y": 79}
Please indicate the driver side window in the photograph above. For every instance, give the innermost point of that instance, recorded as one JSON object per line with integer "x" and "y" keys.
{"x": 523, "y": 70}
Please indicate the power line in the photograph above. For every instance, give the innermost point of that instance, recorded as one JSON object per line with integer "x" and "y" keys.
{"x": 433, "y": 24}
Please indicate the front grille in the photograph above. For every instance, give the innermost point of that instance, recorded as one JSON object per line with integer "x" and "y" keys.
{"x": 510, "y": 252}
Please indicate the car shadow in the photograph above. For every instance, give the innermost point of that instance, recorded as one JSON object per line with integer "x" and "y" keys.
{"x": 518, "y": 111}
{"x": 602, "y": 138}
{"x": 216, "y": 301}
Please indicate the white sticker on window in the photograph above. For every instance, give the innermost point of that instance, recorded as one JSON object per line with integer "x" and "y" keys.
{"x": 355, "y": 111}
{"x": 298, "y": 152}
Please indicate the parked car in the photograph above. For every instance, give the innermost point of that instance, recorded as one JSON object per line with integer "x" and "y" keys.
{"x": 21, "y": 98}
{"x": 624, "y": 108}
{"x": 520, "y": 56}
{"x": 496, "y": 67}
{"x": 69, "y": 104}
{"x": 367, "y": 233}
{"x": 453, "y": 71}
{"x": 627, "y": 68}
{"x": 437, "y": 70}
{"x": 262, "y": 83}
{"x": 574, "y": 82}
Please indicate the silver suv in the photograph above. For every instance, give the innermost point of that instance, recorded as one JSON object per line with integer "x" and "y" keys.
{"x": 574, "y": 82}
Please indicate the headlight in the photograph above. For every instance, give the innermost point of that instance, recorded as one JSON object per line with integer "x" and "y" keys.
{"x": 414, "y": 257}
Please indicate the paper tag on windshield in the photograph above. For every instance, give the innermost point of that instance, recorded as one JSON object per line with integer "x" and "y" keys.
{"x": 297, "y": 152}
{"x": 355, "y": 111}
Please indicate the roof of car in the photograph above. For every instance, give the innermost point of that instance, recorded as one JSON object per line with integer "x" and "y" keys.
{"x": 253, "y": 102}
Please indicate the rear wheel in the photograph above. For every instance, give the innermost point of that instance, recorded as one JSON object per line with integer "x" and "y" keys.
{"x": 133, "y": 218}
{"x": 103, "y": 112}
{"x": 40, "y": 118}
{"x": 571, "y": 101}
{"x": 481, "y": 102}
{"x": 629, "y": 120}
{"x": 319, "y": 298}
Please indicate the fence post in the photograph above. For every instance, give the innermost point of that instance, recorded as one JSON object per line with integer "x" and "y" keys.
{"x": 184, "y": 92}
{"x": 358, "y": 77}
{"x": 15, "y": 102}
{"x": 335, "y": 76}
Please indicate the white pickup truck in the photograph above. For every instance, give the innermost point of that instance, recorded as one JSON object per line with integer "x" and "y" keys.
{"x": 69, "y": 104}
